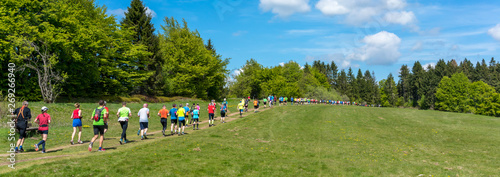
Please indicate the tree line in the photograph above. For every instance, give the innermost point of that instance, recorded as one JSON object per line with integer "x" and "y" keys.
{"x": 432, "y": 87}
{"x": 72, "y": 48}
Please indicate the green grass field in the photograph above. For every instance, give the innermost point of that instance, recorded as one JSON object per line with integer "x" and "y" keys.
{"x": 309, "y": 140}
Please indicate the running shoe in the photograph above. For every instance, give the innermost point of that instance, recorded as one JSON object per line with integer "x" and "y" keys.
{"x": 142, "y": 137}
{"x": 80, "y": 142}
{"x": 90, "y": 147}
{"x": 21, "y": 150}
{"x": 101, "y": 150}
{"x": 121, "y": 142}
{"x": 138, "y": 132}
{"x": 72, "y": 143}
{"x": 36, "y": 147}
{"x": 43, "y": 152}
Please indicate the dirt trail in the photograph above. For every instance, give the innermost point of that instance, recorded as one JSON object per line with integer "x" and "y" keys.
{"x": 203, "y": 125}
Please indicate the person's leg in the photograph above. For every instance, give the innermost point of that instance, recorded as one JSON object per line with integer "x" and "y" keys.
{"x": 171, "y": 127}
{"x": 44, "y": 137}
{"x": 93, "y": 139}
{"x": 73, "y": 135}
{"x": 122, "y": 124}
{"x": 79, "y": 134}
{"x": 101, "y": 140}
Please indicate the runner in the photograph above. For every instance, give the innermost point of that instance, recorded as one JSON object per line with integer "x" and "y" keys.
{"x": 198, "y": 106}
{"x": 173, "y": 119}
{"x": 270, "y": 101}
{"x": 223, "y": 111}
{"x": 43, "y": 127}
{"x": 187, "y": 111}
{"x": 246, "y": 104}
{"x": 123, "y": 114}
{"x": 227, "y": 106}
{"x": 292, "y": 100}
{"x": 265, "y": 102}
{"x": 255, "y": 105}
{"x": 211, "y": 110}
{"x": 77, "y": 122}
{"x": 240, "y": 108}
{"x": 163, "y": 113}
{"x": 98, "y": 118}
{"x": 107, "y": 115}
{"x": 23, "y": 115}
{"x": 196, "y": 118}
{"x": 143, "y": 115}
{"x": 181, "y": 113}
{"x": 193, "y": 107}
{"x": 281, "y": 100}
{"x": 285, "y": 100}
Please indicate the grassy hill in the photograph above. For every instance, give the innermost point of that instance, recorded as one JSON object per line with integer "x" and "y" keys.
{"x": 307, "y": 140}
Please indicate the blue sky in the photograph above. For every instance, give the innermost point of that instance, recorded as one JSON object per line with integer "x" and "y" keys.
{"x": 378, "y": 35}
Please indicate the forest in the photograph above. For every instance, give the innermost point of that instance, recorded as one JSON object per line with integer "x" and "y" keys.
{"x": 447, "y": 86}
{"x": 72, "y": 48}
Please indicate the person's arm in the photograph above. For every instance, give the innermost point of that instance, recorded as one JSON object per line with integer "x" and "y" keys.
{"x": 118, "y": 113}
{"x": 36, "y": 119}
{"x": 49, "y": 120}
{"x": 148, "y": 114}
{"x": 28, "y": 115}
{"x": 80, "y": 113}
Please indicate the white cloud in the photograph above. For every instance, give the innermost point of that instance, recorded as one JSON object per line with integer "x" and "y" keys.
{"x": 285, "y": 8}
{"x": 149, "y": 11}
{"x": 403, "y": 17}
{"x": 237, "y": 72}
{"x": 495, "y": 32}
{"x": 418, "y": 46}
{"x": 432, "y": 65}
{"x": 282, "y": 64}
{"x": 395, "y": 4}
{"x": 380, "y": 49}
{"x": 358, "y": 12}
{"x": 239, "y": 33}
{"x": 120, "y": 13}
{"x": 331, "y": 7}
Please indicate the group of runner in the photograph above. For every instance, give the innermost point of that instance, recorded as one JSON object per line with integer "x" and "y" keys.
{"x": 179, "y": 119}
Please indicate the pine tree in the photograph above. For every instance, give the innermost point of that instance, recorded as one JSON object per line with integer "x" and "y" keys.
{"x": 137, "y": 19}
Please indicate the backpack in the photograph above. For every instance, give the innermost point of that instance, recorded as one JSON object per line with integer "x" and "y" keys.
{"x": 97, "y": 115}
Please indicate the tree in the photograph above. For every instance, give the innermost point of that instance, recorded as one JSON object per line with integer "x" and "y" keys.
{"x": 404, "y": 88}
{"x": 192, "y": 70}
{"x": 77, "y": 40}
{"x": 138, "y": 20}
{"x": 453, "y": 94}
{"x": 416, "y": 82}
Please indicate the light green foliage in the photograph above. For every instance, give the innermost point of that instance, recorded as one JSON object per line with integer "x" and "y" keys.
{"x": 85, "y": 46}
{"x": 388, "y": 92}
{"x": 457, "y": 94}
{"x": 192, "y": 70}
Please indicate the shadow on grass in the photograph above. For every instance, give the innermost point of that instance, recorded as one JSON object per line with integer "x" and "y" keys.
{"x": 52, "y": 151}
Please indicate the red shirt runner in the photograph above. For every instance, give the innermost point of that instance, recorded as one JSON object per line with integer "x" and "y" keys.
{"x": 43, "y": 121}
{"x": 211, "y": 109}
